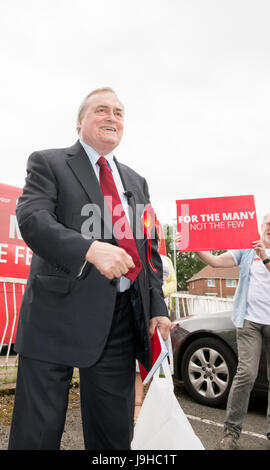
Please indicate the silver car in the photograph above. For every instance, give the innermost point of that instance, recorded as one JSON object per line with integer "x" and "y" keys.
{"x": 205, "y": 357}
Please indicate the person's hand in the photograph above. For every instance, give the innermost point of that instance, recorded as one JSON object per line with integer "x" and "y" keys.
{"x": 259, "y": 247}
{"x": 178, "y": 238}
{"x": 163, "y": 324}
{"x": 110, "y": 260}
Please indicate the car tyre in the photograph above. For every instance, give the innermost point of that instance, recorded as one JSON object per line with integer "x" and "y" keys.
{"x": 208, "y": 367}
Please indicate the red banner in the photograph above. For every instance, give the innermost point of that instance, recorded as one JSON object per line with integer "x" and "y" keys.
{"x": 217, "y": 223}
{"x": 15, "y": 256}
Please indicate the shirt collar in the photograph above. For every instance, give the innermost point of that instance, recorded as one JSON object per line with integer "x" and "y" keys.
{"x": 93, "y": 155}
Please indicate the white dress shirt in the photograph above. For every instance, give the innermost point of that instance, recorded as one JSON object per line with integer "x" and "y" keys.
{"x": 93, "y": 155}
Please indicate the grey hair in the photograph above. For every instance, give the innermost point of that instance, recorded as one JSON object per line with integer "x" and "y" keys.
{"x": 265, "y": 217}
{"x": 84, "y": 102}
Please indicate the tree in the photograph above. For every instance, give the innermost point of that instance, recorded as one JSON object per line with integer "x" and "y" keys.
{"x": 187, "y": 263}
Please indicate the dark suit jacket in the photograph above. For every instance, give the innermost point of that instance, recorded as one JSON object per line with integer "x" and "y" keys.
{"x": 64, "y": 318}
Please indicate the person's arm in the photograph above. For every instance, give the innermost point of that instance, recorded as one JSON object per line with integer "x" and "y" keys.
{"x": 225, "y": 260}
{"x": 60, "y": 246}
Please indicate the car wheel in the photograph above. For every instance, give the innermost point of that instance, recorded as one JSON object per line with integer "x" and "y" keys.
{"x": 208, "y": 367}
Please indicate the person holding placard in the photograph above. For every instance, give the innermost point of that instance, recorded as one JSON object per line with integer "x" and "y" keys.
{"x": 251, "y": 316}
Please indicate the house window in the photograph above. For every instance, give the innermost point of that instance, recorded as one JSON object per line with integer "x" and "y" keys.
{"x": 211, "y": 283}
{"x": 231, "y": 283}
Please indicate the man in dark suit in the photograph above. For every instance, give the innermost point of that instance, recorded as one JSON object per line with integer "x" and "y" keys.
{"x": 89, "y": 302}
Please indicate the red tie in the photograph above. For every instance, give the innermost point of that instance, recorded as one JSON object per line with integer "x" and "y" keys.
{"x": 125, "y": 239}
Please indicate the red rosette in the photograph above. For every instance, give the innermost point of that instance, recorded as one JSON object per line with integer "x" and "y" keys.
{"x": 149, "y": 222}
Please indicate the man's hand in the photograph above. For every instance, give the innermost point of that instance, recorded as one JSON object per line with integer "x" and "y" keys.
{"x": 110, "y": 260}
{"x": 163, "y": 324}
{"x": 259, "y": 247}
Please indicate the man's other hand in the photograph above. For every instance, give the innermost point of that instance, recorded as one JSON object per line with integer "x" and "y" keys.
{"x": 163, "y": 324}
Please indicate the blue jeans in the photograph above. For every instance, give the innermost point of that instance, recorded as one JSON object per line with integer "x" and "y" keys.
{"x": 249, "y": 344}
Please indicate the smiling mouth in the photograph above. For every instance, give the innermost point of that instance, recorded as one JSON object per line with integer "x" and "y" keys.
{"x": 110, "y": 129}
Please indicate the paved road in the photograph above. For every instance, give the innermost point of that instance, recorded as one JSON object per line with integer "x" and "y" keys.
{"x": 207, "y": 422}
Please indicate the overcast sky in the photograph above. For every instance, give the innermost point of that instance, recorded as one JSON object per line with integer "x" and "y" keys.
{"x": 194, "y": 76}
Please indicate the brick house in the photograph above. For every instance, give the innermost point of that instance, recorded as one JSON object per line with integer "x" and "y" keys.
{"x": 219, "y": 282}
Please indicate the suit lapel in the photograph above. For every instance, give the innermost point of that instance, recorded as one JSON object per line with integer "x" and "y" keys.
{"x": 84, "y": 172}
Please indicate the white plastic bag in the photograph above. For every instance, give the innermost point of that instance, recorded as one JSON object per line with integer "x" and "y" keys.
{"x": 162, "y": 424}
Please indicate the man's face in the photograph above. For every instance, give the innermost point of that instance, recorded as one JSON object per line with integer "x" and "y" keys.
{"x": 266, "y": 231}
{"x": 102, "y": 123}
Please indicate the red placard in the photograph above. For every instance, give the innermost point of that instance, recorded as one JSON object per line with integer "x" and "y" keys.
{"x": 158, "y": 353}
{"x": 217, "y": 223}
{"x": 15, "y": 256}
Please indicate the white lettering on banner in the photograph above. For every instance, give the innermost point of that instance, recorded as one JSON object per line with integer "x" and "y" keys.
{"x": 16, "y": 254}
{"x": 198, "y": 226}
{"x": 24, "y": 253}
{"x": 213, "y": 221}
{"x": 2, "y": 252}
{"x": 218, "y": 225}
{"x": 14, "y": 231}
{"x": 235, "y": 223}
{"x": 214, "y": 218}
{"x": 187, "y": 219}
{"x": 209, "y": 217}
{"x": 238, "y": 215}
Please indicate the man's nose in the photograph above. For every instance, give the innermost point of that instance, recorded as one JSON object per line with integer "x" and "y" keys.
{"x": 111, "y": 116}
